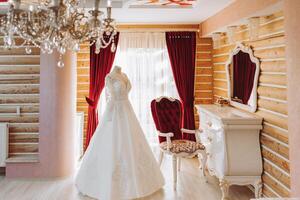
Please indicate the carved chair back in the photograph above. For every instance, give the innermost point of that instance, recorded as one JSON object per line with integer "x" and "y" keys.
{"x": 167, "y": 115}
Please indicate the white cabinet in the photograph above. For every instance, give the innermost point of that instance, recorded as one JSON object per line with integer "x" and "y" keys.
{"x": 231, "y": 138}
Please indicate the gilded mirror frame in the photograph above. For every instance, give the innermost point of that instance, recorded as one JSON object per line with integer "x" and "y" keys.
{"x": 252, "y": 103}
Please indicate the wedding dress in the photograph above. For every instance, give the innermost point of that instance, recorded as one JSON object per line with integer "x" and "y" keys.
{"x": 118, "y": 163}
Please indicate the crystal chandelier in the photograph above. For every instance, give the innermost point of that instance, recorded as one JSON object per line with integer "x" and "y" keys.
{"x": 57, "y": 25}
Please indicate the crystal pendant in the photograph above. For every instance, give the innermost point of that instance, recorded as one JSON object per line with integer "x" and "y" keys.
{"x": 76, "y": 47}
{"x": 45, "y": 47}
{"x": 50, "y": 51}
{"x": 62, "y": 50}
{"x": 28, "y": 50}
{"x": 60, "y": 64}
{"x": 9, "y": 41}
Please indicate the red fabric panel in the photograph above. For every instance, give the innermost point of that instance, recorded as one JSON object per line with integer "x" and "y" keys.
{"x": 100, "y": 66}
{"x": 243, "y": 76}
{"x": 182, "y": 51}
{"x": 167, "y": 117}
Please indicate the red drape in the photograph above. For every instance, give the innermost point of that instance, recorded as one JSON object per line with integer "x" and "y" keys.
{"x": 100, "y": 66}
{"x": 182, "y": 50}
{"x": 243, "y": 76}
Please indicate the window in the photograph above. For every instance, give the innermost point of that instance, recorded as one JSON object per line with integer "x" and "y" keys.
{"x": 144, "y": 58}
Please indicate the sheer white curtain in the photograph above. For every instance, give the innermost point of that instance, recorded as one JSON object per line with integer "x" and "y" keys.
{"x": 144, "y": 58}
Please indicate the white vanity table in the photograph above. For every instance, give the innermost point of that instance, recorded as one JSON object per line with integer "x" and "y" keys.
{"x": 231, "y": 138}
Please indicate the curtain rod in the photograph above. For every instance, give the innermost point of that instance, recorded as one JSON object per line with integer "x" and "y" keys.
{"x": 155, "y": 30}
{"x": 157, "y": 27}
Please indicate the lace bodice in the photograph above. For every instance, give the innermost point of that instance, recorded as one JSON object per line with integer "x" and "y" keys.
{"x": 117, "y": 87}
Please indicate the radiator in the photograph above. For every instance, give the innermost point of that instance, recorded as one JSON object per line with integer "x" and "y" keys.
{"x": 79, "y": 135}
{"x": 3, "y": 143}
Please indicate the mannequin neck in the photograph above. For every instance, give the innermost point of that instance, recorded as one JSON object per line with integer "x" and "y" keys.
{"x": 117, "y": 70}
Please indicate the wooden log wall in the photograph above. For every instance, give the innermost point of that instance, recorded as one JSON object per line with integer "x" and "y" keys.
{"x": 19, "y": 90}
{"x": 83, "y": 81}
{"x": 272, "y": 98}
{"x": 203, "y": 74}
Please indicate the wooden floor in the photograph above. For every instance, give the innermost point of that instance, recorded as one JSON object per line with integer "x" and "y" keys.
{"x": 190, "y": 187}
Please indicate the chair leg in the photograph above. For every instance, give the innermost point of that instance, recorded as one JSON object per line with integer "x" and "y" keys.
{"x": 202, "y": 157}
{"x": 179, "y": 164}
{"x": 174, "y": 172}
{"x": 161, "y": 157}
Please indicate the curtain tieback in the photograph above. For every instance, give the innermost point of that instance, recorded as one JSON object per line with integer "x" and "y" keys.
{"x": 91, "y": 102}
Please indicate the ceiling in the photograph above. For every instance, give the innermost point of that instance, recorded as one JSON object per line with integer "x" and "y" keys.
{"x": 200, "y": 11}
{"x": 126, "y": 13}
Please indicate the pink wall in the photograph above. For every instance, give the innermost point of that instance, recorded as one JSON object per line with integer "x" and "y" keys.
{"x": 292, "y": 30}
{"x": 57, "y": 120}
{"x": 236, "y": 11}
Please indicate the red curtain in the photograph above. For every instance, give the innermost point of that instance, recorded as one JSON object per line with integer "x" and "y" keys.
{"x": 182, "y": 50}
{"x": 243, "y": 76}
{"x": 100, "y": 66}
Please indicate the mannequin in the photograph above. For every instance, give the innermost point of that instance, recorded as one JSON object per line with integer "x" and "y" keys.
{"x": 117, "y": 73}
{"x": 116, "y": 70}
{"x": 118, "y": 139}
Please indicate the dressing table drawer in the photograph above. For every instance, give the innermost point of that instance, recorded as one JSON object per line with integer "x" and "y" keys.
{"x": 208, "y": 121}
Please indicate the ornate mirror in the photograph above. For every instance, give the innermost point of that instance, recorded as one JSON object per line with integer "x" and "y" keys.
{"x": 242, "y": 71}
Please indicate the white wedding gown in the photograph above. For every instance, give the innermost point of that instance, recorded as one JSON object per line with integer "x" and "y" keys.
{"x": 118, "y": 163}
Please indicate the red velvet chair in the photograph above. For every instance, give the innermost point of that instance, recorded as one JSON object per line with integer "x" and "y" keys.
{"x": 167, "y": 115}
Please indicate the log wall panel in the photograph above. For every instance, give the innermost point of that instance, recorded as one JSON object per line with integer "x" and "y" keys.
{"x": 83, "y": 73}
{"x": 23, "y": 108}
{"x": 24, "y": 138}
{"x": 219, "y": 67}
{"x": 23, "y": 118}
{"x": 24, "y": 128}
{"x": 19, "y": 51}
{"x": 19, "y": 89}
{"x": 276, "y": 132}
{"x": 273, "y": 79}
{"x": 20, "y": 60}
{"x": 272, "y": 97}
{"x": 275, "y": 146}
{"x": 275, "y": 172}
{"x": 21, "y": 69}
{"x": 275, "y": 159}
{"x": 275, "y": 186}
{"x": 273, "y": 66}
{"x": 203, "y": 86}
{"x": 271, "y": 92}
{"x": 268, "y": 192}
{"x": 273, "y": 105}
{"x": 19, "y": 99}
{"x": 203, "y": 74}
{"x": 23, "y": 148}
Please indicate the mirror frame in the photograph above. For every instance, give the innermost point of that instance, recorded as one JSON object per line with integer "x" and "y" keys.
{"x": 240, "y": 47}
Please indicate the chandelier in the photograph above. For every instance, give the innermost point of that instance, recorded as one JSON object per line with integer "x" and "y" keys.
{"x": 59, "y": 25}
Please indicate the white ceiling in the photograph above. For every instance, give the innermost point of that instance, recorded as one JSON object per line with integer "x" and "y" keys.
{"x": 125, "y": 15}
{"x": 202, "y": 10}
